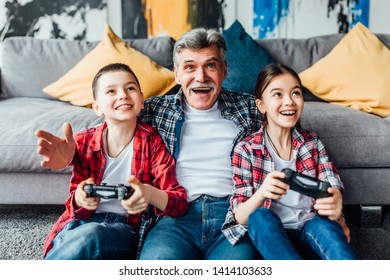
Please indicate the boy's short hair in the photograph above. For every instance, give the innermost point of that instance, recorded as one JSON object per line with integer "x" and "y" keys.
{"x": 113, "y": 67}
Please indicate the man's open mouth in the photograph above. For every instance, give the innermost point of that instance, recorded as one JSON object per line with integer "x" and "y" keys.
{"x": 201, "y": 90}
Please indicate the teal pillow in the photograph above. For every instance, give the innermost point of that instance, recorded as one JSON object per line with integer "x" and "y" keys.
{"x": 245, "y": 59}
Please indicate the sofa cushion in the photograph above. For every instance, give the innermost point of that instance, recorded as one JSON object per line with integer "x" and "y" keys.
{"x": 356, "y": 73}
{"x": 245, "y": 59}
{"x": 75, "y": 85}
{"x": 18, "y": 143}
{"x": 353, "y": 138}
{"x": 30, "y": 64}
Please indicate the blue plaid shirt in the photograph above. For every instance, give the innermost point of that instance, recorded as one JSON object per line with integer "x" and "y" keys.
{"x": 165, "y": 114}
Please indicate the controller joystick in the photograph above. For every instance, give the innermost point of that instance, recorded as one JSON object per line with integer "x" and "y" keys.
{"x": 305, "y": 184}
{"x": 109, "y": 191}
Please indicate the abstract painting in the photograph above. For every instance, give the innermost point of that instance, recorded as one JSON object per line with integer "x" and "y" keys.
{"x": 66, "y": 19}
{"x": 304, "y": 18}
{"x": 153, "y": 18}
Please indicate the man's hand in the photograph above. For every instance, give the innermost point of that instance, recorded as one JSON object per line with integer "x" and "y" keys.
{"x": 56, "y": 152}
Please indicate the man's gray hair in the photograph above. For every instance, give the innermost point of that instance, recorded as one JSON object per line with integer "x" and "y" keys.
{"x": 200, "y": 38}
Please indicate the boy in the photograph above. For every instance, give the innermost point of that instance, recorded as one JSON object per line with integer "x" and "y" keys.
{"x": 121, "y": 149}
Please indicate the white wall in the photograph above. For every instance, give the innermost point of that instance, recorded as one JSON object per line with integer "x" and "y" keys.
{"x": 114, "y": 16}
{"x": 379, "y": 16}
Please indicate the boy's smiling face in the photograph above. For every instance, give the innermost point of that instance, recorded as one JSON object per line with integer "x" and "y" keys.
{"x": 119, "y": 97}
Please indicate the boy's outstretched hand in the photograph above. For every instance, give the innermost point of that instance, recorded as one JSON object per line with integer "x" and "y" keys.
{"x": 56, "y": 152}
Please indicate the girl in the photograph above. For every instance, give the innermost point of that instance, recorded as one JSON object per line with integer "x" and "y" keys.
{"x": 282, "y": 223}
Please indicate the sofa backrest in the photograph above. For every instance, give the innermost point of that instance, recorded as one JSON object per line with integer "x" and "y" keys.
{"x": 300, "y": 54}
{"x": 30, "y": 64}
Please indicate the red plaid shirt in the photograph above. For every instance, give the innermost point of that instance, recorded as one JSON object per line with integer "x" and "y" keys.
{"x": 152, "y": 164}
{"x": 252, "y": 162}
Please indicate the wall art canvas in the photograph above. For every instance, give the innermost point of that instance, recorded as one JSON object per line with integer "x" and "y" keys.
{"x": 66, "y": 19}
{"x": 304, "y": 18}
{"x": 153, "y": 18}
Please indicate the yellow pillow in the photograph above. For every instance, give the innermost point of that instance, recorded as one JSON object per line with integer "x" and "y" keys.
{"x": 356, "y": 73}
{"x": 75, "y": 85}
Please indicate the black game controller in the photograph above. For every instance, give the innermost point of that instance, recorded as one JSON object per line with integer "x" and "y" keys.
{"x": 305, "y": 184}
{"x": 106, "y": 191}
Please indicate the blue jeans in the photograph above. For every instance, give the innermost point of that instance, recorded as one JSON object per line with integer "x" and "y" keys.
{"x": 318, "y": 238}
{"x": 104, "y": 236}
{"x": 196, "y": 235}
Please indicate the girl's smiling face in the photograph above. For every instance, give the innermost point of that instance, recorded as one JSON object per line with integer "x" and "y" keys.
{"x": 282, "y": 101}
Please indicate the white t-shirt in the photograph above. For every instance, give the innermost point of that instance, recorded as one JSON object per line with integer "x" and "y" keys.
{"x": 294, "y": 209}
{"x": 117, "y": 171}
{"x": 204, "y": 165}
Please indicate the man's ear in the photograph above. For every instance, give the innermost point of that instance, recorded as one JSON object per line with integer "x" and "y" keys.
{"x": 96, "y": 108}
{"x": 177, "y": 78}
{"x": 225, "y": 70}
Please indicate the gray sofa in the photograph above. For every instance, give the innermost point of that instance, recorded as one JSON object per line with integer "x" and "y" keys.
{"x": 358, "y": 142}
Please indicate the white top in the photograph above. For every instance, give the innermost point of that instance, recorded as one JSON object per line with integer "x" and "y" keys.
{"x": 294, "y": 209}
{"x": 117, "y": 171}
{"x": 204, "y": 165}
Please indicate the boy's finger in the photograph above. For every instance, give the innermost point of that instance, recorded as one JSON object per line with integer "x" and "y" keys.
{"x": 45, "y": 135}
{"x": 134, "y": 181}
{"x": 68, "y": 132}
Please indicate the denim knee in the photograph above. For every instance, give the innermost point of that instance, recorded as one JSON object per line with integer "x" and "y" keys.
{"x": 261, "y": 216}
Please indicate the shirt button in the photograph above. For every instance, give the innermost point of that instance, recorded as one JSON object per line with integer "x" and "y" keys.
{"x": 101, "y": 170}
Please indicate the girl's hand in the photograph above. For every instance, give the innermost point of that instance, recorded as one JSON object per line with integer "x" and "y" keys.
{"x": 140, "y": 199}
{"x": 272, "y": 187}
{"x": 89, "y": 203}
{"x": 345, "y": 228}
{"x": 330, "y": 206}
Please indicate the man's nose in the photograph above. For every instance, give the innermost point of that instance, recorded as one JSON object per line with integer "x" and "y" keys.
{"x": 200, "y": 75}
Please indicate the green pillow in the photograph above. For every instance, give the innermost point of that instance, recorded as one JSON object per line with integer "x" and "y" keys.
{"x": 245, "y": 59}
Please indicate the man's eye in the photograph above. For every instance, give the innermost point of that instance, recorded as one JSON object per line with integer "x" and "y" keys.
{"x": 212, "y": 66}
{"x": 110, "y": 92}
{"x": 188, "y": 67}
{"x": 130, "y": 89}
